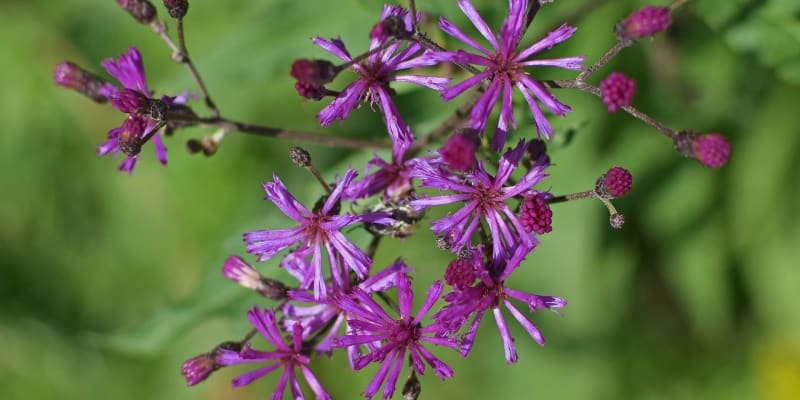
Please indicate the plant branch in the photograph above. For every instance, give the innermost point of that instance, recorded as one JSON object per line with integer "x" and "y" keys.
{"x": 266, "y": 131}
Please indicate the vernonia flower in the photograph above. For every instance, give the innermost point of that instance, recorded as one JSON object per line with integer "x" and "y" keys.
{"x": 388, "y": 340}
{"x": 134, "y": 100}
{"x": 291, "y": 357}
{"x": 316, "y": 230}
{"x": 375, "y": 73}
{"x": 484, "y": 197}
{"x": 490, "y": 293}
{"x": 504, "y": 68}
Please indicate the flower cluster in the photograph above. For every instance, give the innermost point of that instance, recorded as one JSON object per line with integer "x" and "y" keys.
{"x": 486, "y": 190}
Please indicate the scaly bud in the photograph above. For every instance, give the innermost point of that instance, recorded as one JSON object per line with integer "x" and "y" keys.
{"x": 617, "y": 91}
{"x": 141, "y": 10}
{"x": 711, "y": 149}
{"x": 176, "y": 8}
{"x": 73, "y": 77}
{"x": 643, "y": 22}
{"x": 614, "y": 183}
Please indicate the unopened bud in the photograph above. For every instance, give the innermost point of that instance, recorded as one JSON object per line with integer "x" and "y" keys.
{"x": 200, "y": 367}
{"x": 177, "y": 8}
{"x": 643, "y": 22}
{"x": 317, "y": 72}
{"x": 711, "y": 149}
{"x": 460, "y": 273}
{"x": 535, "y": 215}
{"x": 459, "y": 150}
{"x": 207, "y": 145}
{"x": 239, "y": 271}
{"x": 616, "y": 220}
{"x": 614, "y": 183}
{"x": 412, "y": 388}
{"x": 617, "y": 91}
{"x": 300, "y": 157}
{"x": 141, "y": 10}
{"x": 73, "y": 77}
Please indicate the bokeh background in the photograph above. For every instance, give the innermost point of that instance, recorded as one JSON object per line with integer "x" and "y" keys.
{"x": 108, "y": 281}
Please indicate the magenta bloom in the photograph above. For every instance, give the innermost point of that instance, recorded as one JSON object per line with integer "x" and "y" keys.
{"x": 326, "y": 314}
{"x": 617, "y": 91}
{"x": 290, "y": 357}
{"x": 129, "y": 71}
{"x": 392, "y": 179}
{"x": 490, "y": 293}
{"x": 646, "y": 21}
{"x": 375, "y": 75}
{"x": 504, "y": 68}
{"x": 316, "y": 230}
{"x": 712, "y": 150}
{"x": 485, "y": 197}
{"x": 388, "y": 340}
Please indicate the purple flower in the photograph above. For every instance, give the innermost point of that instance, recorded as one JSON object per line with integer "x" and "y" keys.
{"x": 326, "y": 314}
{"x": 290, "y": 357}
{"x": 392, "y": 179}
{"x": 132, "y": 99}
{"x": 387, "y": 340}
{"x": 375, "y": 75}
{"x": 484, "y": 197}
{"x": 316, "y": 230}
{"x": 490, "y": 293}
{"x": 503, "y": 66}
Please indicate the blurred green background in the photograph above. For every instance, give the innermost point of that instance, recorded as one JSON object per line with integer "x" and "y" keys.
{"x": 108, "y": 281}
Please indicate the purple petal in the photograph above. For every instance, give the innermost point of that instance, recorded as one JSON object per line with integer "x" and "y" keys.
{"x": 469, "y": 10}
{"x": 505, "y": 336}
{"x": 452, "y": 30}
{"x": 553, "y": 38}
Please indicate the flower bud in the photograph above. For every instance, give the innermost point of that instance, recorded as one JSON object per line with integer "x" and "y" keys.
{"x": 317, "y": 72}
{"x": 141, "y": 10}
{"x": 614, "y": 183}
{"x": 412, "y": 388}
{"x": 177, "y": 8}
{"x": 535, "y": 215}
{"x": 459, "y": 150}
{"x": 460, "y": 273}
{"x": 616, "y": 220}
{"x": 711, "y": 149}
{"x": 644, "y": 22}
{"x": 200, "y": 367}
{"x": 300, "y": 157}
{"x": 616, "y": 91}
{"x": 239, "y": 271}
{"x": 73, "y": 77}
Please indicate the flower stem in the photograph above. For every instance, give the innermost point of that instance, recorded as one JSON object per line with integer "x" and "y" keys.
{"x": 266, "y": 131}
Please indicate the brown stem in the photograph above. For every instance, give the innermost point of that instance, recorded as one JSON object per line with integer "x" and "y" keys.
{"x": 611, "y": 53}
{"x": 265, "y": 131}
{"x": 212, "y": 108}
{"x": 632, "y": 111}
{"x": 247, "y": 337}
{"x": 572, "y": 196}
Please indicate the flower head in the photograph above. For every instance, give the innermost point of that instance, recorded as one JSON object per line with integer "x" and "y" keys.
{"x": 316, "y": 231}
{"x": 617, "y": 91}
{"x": 134, "y": 99}
{"x": 490, "y": 293}
{"x": 484, "y": 197}
{"x": 290, "y": 357}
{"x": 644, "y": 22}
{"x": 504, "y": 68}
{"x": 375, "y": 74}
{"x": 388, "y": 340}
